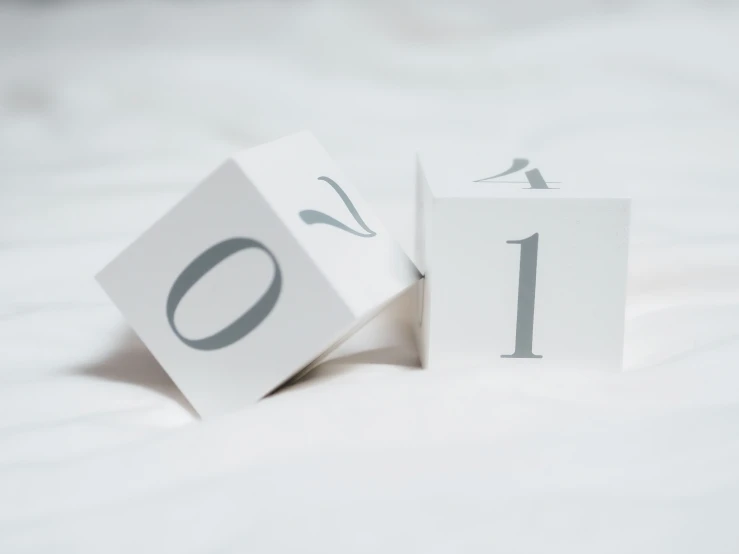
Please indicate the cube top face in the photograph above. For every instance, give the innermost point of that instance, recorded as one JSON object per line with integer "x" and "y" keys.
{"x": 484, "y": 175}
{"x": 224, "y": 296}
{"x": 515, "y": 283}
{"x": 330, "y": 219}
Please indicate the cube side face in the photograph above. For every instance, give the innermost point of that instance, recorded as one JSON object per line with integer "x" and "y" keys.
{"x": 331, "y": 220}
{"x": 224, "y": 296}
{"x": 519, "y": 282}
{"x": 423, "y": 243}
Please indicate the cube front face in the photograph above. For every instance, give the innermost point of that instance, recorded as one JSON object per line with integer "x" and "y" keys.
{"x": 331, "y": 220}
{"x": 514, "y": 281}
{"x": 225, "y": 296}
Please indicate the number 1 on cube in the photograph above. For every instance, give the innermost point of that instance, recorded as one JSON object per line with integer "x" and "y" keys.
{"x": 526, "y": 297}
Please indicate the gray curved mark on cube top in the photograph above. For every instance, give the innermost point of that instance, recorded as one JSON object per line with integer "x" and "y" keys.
{"x": 536, "y": 180}
{"x": 313, "y": 217}
{"x": 517, "y": 165}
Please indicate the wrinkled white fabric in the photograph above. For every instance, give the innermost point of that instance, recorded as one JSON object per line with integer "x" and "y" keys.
{"x": 109, "y": 113}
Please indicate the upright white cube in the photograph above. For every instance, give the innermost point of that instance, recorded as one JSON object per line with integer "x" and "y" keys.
{"x": 266, "y": 265}
{"x": 519, "y": 271}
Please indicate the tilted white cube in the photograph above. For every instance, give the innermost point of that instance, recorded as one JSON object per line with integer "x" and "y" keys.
{"x": 519, "y": 271}
{"x": 261, "y": 269}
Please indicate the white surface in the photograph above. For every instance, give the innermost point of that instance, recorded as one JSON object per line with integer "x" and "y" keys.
{"x": 110, "y": 113}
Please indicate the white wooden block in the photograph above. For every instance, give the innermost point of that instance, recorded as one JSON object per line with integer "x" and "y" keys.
{"x": 519, "y": 271}
{"x": 269, "y": 263}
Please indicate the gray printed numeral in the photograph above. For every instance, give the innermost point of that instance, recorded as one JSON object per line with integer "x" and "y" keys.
{"x": 526, "y": 297}
{"x": 245, "y": 323}
{"x": 312, "y": 217}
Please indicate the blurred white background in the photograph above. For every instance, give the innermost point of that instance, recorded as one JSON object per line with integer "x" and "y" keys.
{"x": 110, "y": 111}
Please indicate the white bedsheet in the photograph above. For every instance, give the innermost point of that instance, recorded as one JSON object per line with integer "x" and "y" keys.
{"x": 109, "y": 113}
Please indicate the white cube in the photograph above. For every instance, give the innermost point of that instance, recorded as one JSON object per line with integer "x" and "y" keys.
{"x": 270, "y": 262}
{"x": 519, "y": 271}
